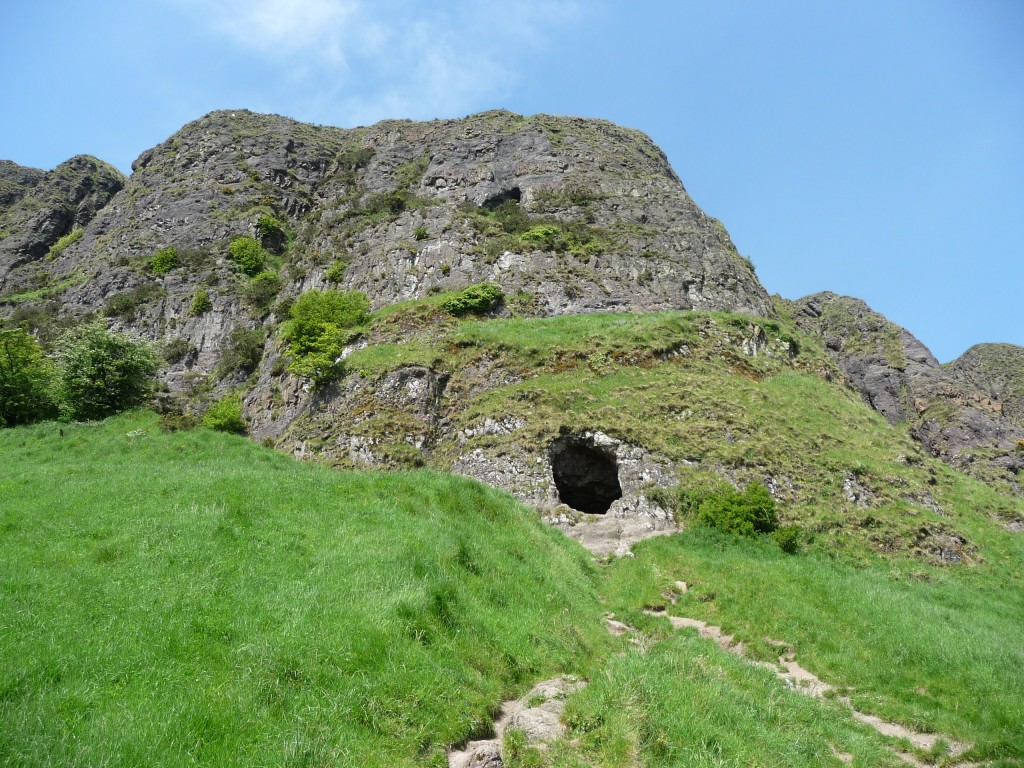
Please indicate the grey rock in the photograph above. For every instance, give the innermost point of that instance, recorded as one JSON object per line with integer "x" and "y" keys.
{"x": 37, "y": 209}
{"x": 973, "y": 406}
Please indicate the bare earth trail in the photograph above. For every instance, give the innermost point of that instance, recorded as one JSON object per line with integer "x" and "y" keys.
{"x": 809, "y": 684}
{"x": 538, "y": 713}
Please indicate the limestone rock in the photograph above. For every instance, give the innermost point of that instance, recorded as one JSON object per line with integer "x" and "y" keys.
{"x": 971, "y": 408}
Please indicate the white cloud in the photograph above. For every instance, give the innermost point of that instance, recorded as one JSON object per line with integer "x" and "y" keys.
{"x": 357, "y": 61}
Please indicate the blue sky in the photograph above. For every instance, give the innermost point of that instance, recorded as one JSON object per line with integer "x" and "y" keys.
{"x": 874, "y": 149}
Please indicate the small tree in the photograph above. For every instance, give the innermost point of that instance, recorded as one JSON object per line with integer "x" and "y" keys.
{"x": 248, "y": 255}
{"x": 164, "y": 261}
{"x": 101, "y": 372}
{"x": 319, "y": 329}
{"x": 25, "y": 379}
{"x": 201, "y": 302}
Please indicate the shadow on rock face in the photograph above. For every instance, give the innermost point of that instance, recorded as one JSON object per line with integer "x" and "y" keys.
{"x": 587, "y": 478}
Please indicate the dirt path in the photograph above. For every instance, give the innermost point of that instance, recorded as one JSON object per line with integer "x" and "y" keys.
{"x": 538, "y": 715}
{"x": 806, "y": 682}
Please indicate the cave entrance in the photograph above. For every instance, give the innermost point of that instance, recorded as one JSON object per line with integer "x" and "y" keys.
{"x": 586, "y": 477}
{"x": 495, "y": 201}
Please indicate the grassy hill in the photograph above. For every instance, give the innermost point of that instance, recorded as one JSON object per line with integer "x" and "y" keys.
{"x": 196, "y": 599}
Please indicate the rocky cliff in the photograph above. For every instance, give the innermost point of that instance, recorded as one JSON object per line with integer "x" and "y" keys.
{"x": 37, "y": 209}
{"x": 571, "y": 409}
{"x": 970, "y": 413}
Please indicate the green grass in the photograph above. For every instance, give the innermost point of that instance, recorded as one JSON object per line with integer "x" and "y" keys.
{"x": 194, "y": 598}
{"x": 684, "y": 702}
{"x": 681, "y": 385}
{"x": 936, "y": 649}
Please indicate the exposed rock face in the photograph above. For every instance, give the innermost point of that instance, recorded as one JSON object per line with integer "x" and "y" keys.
{"x": 386, "y": 200}
{"x": 995, "y": 371}
{"x": 880, "y": 359}
{"x": 969, "y": 413}
{"x": 37, "y": 209}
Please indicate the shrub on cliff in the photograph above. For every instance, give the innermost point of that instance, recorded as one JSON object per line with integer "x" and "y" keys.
{"x": 319, "y": 327}
{"x": 248, "y": 255}
{"x": 475, "y": 299}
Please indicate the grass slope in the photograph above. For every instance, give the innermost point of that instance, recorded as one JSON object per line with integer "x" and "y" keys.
{"x": 745, "y": 398}
{"x": 195, "y": 599}
{"x": 937, "y": 649}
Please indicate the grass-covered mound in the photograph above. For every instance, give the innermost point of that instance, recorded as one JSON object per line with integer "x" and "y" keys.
{"x": 193, "y": 598}
{"x": 742, "y": 398}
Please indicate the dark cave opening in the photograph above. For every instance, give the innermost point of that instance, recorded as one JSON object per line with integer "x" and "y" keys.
{"x": 492, "y": 202}
{"x": 587, "y": 479}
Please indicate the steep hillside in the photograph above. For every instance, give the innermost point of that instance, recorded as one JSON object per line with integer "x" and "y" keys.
{"x": 39, "y": 210}
{"x": 968, "y": 413}
{"x": 995, "y": 369}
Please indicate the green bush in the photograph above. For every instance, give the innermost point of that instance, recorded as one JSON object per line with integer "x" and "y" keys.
{"x": 260, "y": 291}
{"x": 336, "y": 272}
{"x": 241, "y": 352}
{"x": 201, "y": 302}
{"x": 511, "y": 217}
{"x": 248, "y": 255}
{"x": 788, "y": 537}
{"x": 126, "y": 304}
{"x": 474, "y": 299}
{"x": 225, "y": 415}
{"x": 64, "y": 243}
{"x": 164, "y": 261}
{"x": 320, "y": 327}
{"x": 273, "y": 232}
{"x": 420, "y": 233}
{"x": 175, "y": 350}
{"x": 746, "y": 514}
{"x": 101, "y": 372}
{"x": 270, "y": 226}
{"x": 354, "y": 158}
{"x": 545, "y": 237}
{"x": 26, "y": 376}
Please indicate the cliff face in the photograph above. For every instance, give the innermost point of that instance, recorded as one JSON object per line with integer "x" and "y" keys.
{"x": 395, "y": 202}
{"x": 37, "y": 209}
{"x": 595, "y": 220}
{"x": 969, "y": 413}
{"x": 568, "y": 216}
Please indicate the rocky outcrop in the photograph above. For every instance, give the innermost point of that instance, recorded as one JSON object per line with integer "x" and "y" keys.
{"x": 403, "y": 206}
{"x": 969, "y": 413}
{"x": 879, "y": 358}
{"x": 37, "y": 209}
{"x": 996, "y": 372}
